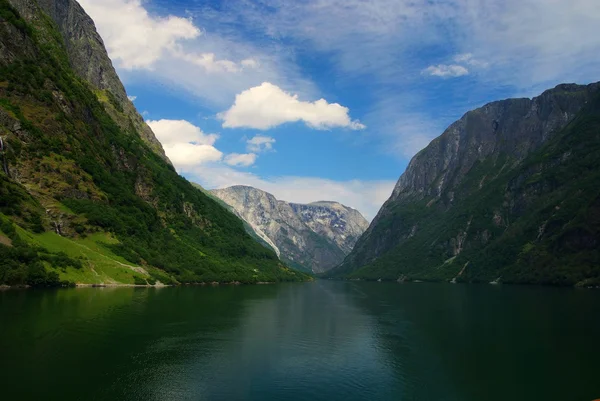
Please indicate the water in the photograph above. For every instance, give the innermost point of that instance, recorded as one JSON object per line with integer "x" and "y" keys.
{"x": 313, "y": 341}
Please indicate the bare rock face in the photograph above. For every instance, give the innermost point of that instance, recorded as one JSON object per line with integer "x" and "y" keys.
{"x": 315, "y": 237}
{"x": 513, "y": 126}
{"x": 464, "y": 191}
{"x": 88, "y": 57}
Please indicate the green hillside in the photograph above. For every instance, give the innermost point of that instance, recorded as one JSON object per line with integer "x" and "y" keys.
{"x": 84, "y": 198}
{"x": 535, "y": 220}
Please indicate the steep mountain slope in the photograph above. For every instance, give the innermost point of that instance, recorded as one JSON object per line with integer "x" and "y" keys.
{"x": 86, "y": 193}
{"x": 509, "y": 193}
{"x": 313, "y": 237}
{"x": 260, "y": 237}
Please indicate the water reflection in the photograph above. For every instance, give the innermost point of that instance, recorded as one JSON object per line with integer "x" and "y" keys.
{"x": 318, "y": 341}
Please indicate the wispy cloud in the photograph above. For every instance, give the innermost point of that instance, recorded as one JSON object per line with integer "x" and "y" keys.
{"x": 260, "y": 143}
{"x": 521, "y": 46}
{"x": 464, "y": 63}
{"x": 176, "y": 51}
{"x": 383, "y": 46}
{"x": 469, "y": 59}
{"x": 445, "y": 71}
{"x": 240, "y": 159}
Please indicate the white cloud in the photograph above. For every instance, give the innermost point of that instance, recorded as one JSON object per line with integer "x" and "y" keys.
{"x": 250, "y": 63}
{"x": 184, "y": 143}
{"x": 455, "y": 70}
{"x": 446, "y": 70}
{"x": 527, "y": 41}
{"x": 260, "y": 143}
{"x": 132, "y": 98}
{"x": 213, "y": 65}
{"x": 189, "y": 154}
{"x": 208, "y": 61}
{"x": 365, "y": 196}
{"x": 469, "y": 59}
{"x": 135, "y": 39}
{"x": 267, "y": 106}
{"x": 243, "y": 160}
{"x": 193, "y": 154}
{"x": 177, "y": 131}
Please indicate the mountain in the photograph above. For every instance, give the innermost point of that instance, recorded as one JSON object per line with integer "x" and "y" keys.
{"x": 313, "y": 237}
{"x": 87, "y": 194}
{"x": 260, "y": 237}
{"x": 509, "y": 193}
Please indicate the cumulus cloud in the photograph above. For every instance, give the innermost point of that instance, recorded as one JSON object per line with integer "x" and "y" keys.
{"x": 209, "y": 62}
{"x": 132, "y": 98}
{"x": 260, "y": 143}
{"x": 133, "y": 38}
{"x": 137, "y": 40}
{"x": 446, "y": 70}
{"x": 242, "y": 160}
{"x": 184, "y": 143}
{"x": 267, "y": 106}
{"x": 189, "y": 154}
{"x": 193, "y": 154}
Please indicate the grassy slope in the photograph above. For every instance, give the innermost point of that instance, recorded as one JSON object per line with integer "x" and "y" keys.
{"x": 72, "y": 164}
{"x": 549, "y": 211}
{"x": 101, "y": 266}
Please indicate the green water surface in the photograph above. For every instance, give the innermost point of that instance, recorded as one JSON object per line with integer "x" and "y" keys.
{"x": 313, "y": 341}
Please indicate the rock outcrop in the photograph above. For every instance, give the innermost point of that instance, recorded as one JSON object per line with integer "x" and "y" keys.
{"x": 314, "y": 237}
{"x": 77, "y": 168}
{"x": 89, "y": 59}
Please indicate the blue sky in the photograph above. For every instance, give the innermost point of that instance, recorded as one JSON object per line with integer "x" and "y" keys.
{"x": 329, "y": 99}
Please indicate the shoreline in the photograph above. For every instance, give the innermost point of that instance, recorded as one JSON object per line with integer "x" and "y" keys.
{"x": 4, "y": 287}
{"x": 492, "y": 283}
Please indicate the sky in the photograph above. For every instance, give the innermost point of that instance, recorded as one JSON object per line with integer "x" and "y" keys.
{"x": 329, "y": 99}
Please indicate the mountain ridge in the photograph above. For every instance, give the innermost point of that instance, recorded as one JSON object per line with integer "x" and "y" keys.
{"x": 474, "y": 158}
{"x": 89, "y": 59}
{"x": 312, "y": 236}
{"x": 86, "y": 195}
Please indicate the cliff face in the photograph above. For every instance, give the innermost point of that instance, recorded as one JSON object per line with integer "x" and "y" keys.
{"x": 85, "y": 195}
{"x": 314, "y": 237}
{"x": 89, "y": 59}
{"x": 476, "y": 183}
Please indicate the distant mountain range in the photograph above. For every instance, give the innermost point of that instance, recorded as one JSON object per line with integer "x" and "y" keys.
{"x": 314, "y": 237}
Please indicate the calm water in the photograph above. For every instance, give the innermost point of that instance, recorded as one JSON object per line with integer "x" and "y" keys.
{"x": 314, "y": 341}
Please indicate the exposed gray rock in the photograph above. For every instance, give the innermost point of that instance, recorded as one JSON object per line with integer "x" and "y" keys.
{"x": 314, "y": 237}
{"x": 87, "y": 56}
{"x": 512, "y": 127}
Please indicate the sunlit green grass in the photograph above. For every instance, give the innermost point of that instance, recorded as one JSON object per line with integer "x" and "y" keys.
{"x": 100, "y": 265}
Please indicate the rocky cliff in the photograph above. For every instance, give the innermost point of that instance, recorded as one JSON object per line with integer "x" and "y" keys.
{"x": 86, "y": 193}
{"x": 314, "y": 237}
{"x": 492, "y": 195}
{"x": 89, "y": 59}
